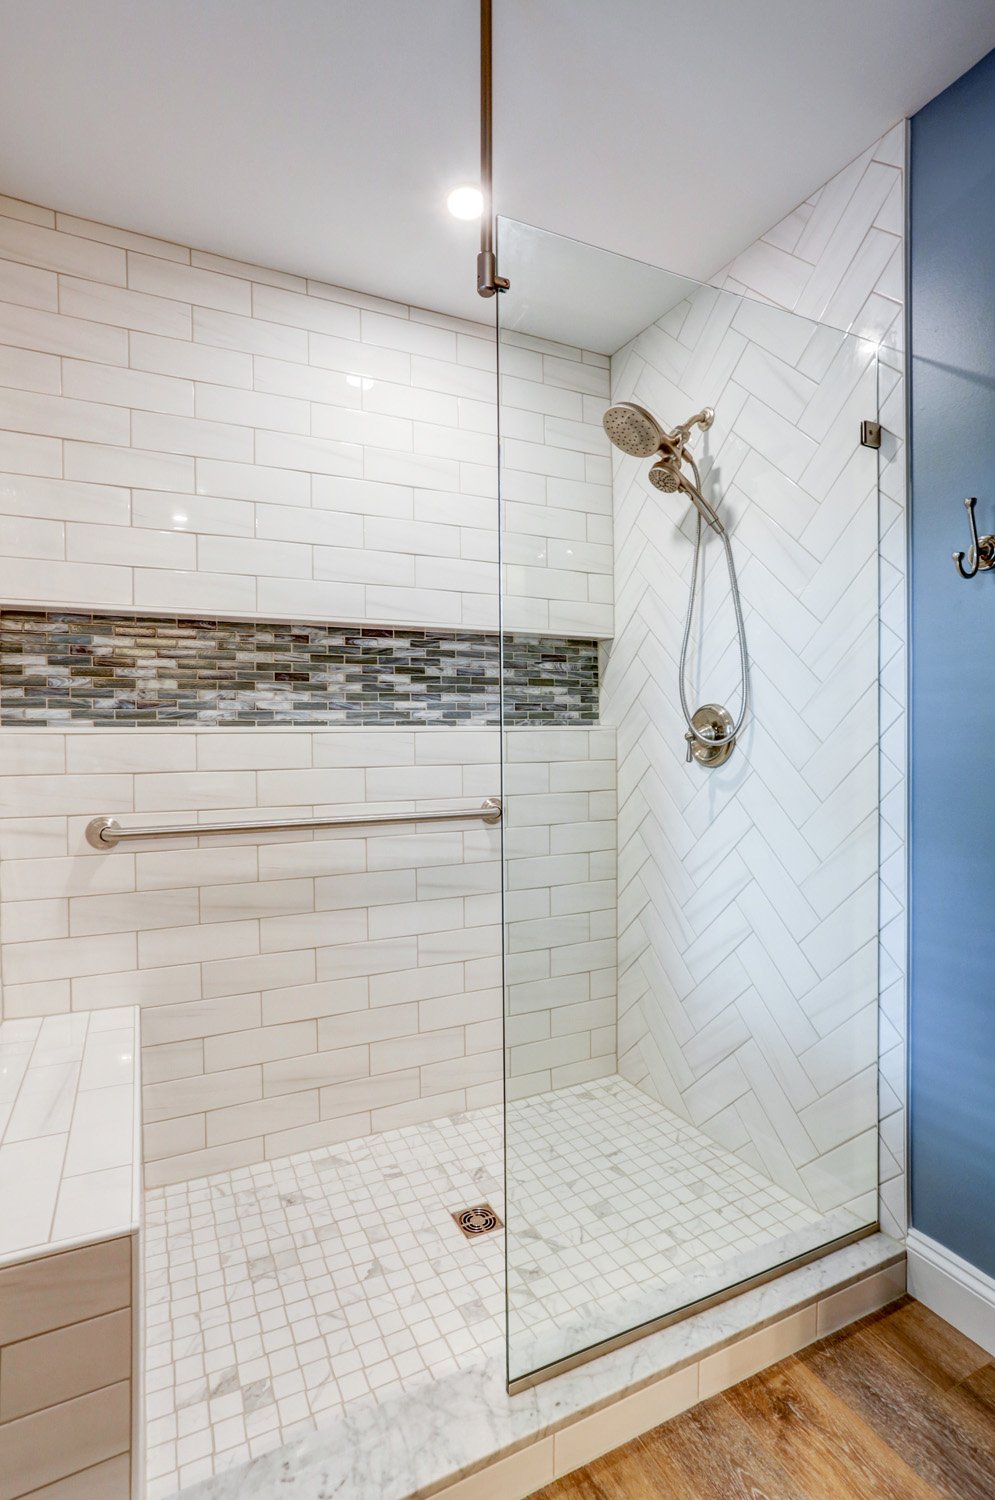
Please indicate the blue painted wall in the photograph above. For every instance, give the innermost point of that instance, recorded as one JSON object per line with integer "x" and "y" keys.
{"x": 952, "y": 308}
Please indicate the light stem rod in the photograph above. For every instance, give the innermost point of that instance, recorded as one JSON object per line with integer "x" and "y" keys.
{"x": 488, "y": 281}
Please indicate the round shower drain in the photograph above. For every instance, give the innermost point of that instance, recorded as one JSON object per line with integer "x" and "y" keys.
{"x": 478, "y": 1220}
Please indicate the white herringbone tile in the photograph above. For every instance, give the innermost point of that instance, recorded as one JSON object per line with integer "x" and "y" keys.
{"x": 748, "y": 904}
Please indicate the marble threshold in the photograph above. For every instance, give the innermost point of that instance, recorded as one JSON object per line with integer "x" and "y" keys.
{"x": 465, "y": 1436}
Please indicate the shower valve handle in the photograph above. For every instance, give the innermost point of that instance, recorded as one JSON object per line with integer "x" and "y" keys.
{"x": 701, "y": 736}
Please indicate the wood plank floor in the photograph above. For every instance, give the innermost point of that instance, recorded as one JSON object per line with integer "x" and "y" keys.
{"x": 899, "y": 1406}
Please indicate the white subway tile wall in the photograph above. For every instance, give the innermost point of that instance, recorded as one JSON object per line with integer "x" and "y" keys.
{"x": 301, "y": 990}
{"x": 560, "y": 907}
{"x": 182, "y": 432}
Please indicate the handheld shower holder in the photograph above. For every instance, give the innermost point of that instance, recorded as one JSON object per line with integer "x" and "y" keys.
{"x": 674, "y": 443}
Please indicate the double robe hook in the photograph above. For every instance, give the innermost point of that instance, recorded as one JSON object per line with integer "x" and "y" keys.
{"x": 981, "y": 554}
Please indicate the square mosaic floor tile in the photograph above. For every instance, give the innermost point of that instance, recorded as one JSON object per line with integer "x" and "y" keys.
{"x": 278, "y": 1293}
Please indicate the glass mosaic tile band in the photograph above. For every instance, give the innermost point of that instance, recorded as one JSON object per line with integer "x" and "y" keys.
{"x": 59, "y": 668}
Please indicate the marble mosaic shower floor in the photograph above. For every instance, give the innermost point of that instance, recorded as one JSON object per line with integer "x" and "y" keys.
{"x": 277, "y": 1294}
{"x": 620, "y": 1212}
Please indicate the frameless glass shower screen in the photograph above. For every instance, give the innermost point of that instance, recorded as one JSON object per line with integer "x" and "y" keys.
{"x": 691, "y": 922}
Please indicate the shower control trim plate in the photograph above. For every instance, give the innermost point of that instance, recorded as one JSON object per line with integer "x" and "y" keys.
{"x": 712, "y": 721}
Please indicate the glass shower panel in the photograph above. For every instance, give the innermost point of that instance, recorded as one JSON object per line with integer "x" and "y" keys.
{"x": 690, "y": 927}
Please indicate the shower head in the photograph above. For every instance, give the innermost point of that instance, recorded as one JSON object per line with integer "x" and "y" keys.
{"x": 632, "y": 429}
{"x": 637, "y": 432}
{"x": 665, "y": 476}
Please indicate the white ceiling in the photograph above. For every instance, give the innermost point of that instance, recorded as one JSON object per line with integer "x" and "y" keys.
{"x": 321, "y": 136}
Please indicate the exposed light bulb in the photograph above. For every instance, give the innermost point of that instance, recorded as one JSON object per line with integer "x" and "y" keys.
{"x": 465, "y": 203}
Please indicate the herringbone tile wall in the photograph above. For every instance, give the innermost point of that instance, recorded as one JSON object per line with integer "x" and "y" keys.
{"x": 748, "y": 905}
{"x": 840, "y": 256}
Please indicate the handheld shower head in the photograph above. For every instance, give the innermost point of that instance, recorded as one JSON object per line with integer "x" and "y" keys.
{"x": 633, "y": 429}
{"x": 668, "y": 476}
{"x": 665, "y": 475}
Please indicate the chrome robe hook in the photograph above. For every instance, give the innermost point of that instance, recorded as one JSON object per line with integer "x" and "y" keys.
{"x": 981, "y": 554}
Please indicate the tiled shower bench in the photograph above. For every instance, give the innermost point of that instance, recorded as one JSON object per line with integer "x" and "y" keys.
{"x": 70, "y": 1262}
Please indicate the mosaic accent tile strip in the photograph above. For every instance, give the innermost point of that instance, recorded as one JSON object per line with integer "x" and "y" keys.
{"x": 60, "y": 668}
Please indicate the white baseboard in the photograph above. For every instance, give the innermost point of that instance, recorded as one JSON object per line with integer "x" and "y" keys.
{"x": 953, "y": 1289}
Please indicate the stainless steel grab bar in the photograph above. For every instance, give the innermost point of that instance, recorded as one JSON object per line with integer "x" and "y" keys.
{"x": 106, "y": 833}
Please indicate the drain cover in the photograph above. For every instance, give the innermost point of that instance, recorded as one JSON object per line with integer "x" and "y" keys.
{"x": 478, "y": 1220}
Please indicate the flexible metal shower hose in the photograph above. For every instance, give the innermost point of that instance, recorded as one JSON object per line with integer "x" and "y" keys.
{"x": 740, "y": 630}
